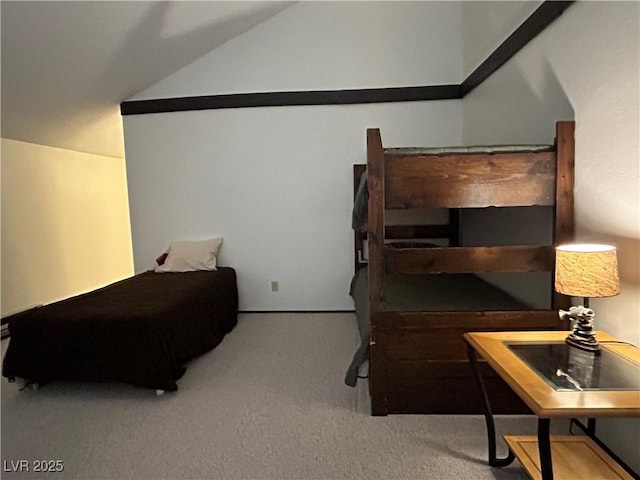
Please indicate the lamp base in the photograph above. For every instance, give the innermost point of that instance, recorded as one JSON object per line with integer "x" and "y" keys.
{"x": 583, "y": 335}
{"x": 583, "y": 344}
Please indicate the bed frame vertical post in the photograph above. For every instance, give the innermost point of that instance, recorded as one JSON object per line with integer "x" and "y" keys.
{"x": 564, "y": 226}
{"x": 375, "y": 232}
{"x": 375, "y": 220}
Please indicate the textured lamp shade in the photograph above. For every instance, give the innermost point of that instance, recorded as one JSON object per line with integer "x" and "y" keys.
{"x": 585, "y": 270}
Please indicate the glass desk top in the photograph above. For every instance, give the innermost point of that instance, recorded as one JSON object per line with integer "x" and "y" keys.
{"x": 566, "y": 368}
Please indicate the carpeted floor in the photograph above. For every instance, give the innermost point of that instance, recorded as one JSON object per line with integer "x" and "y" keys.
{"x": 268, "y": 403}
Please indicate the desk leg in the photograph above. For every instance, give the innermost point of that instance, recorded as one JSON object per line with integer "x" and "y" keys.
{"x": 589, "y": 429}
{"x": 544, "y": 448}
{"x": 488, "y": 416}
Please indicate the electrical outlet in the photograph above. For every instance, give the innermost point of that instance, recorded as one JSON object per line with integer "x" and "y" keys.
{"x": 274, "y": 285}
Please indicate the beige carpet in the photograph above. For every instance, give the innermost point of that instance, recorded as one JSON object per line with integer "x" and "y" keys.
{"x": 268, "y": 403}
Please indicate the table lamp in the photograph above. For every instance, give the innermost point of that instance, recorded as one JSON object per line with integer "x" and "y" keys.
{"x": 585, "y": 270}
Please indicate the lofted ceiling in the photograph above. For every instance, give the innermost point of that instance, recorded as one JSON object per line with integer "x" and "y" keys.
{"x": 66, "y": 66}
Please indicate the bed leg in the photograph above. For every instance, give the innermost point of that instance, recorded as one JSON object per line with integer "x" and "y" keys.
{"x": 25, "y": 384}
{"x": 159, "y": 392}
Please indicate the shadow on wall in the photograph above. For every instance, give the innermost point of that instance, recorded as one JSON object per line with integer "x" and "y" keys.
{"x": 542, "y": 100}
{"x": 628, "y": 253}
{"x": 551, "y": 95}
{"x": 517, "y": 105}
{"x": 184, "y": 48}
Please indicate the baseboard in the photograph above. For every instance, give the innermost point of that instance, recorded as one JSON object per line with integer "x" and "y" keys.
{"x": 296, "y": 311}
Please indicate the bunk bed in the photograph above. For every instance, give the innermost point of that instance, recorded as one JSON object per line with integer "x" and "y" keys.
{"x": 417, "y": 289}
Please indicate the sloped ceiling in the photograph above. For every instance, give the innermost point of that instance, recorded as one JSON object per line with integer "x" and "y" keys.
{"x": 66, "y": 66}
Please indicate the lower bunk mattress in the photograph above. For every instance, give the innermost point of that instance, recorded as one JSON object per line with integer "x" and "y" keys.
{"x": 423, "y": 293}
{"x": 141, "y": 330}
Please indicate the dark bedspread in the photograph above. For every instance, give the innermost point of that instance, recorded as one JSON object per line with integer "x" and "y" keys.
{"x": 140, "y": 330}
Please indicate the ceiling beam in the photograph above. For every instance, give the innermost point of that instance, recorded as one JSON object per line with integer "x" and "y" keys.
{"x": 540, "y": 19}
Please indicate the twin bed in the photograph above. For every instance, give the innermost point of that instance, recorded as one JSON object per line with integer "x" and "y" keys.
{"x": 141, "y": 330}
{"x": 419, "y": 289}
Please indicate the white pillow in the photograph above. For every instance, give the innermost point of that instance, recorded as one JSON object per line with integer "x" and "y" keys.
{"x": 189, "y": 256}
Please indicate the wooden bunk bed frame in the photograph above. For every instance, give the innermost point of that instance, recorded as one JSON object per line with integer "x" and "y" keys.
{"x": 418, "y": 361}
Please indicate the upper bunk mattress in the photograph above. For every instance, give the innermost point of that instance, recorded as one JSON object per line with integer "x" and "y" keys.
{"x": 417, "y": 151}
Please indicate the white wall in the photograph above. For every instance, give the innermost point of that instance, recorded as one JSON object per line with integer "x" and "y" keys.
{"x": 331, "y": 45}
{"x": 584, "y": 66}
{"x": 276, "y": 183}
{"x": 65, "y": 223}
{"x": 499, "y": 20}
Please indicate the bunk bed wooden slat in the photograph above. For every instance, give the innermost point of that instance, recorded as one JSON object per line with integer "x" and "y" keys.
{"x": 469, "y": 259}
{"x": 407, "y": 232}
{"x": 470, "y": 181}
{"x": 444, "y": 344}
{"x": 388, "y": 321}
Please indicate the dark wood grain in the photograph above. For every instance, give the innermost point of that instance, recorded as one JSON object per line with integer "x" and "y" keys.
{"x": 378, "y": 377}
{"x": 438, "y": 335}
{"x": 375, "y": 220}
{"x": 475, "y": 319}
{"x": 426, "y": 364}
{"x": 375, "y": 231}
{"x": 472, "y": 180}
{"x": 564, "y": 225}
{"x": 402, "y": 232}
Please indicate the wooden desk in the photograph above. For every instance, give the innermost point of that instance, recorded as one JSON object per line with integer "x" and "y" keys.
{"x": 501, "y": 350}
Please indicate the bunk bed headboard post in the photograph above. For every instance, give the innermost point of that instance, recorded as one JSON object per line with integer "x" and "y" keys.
{"x": 565, "y": 165}
{"x": 564, "y": 226}
{"x": 375, "y": 219}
